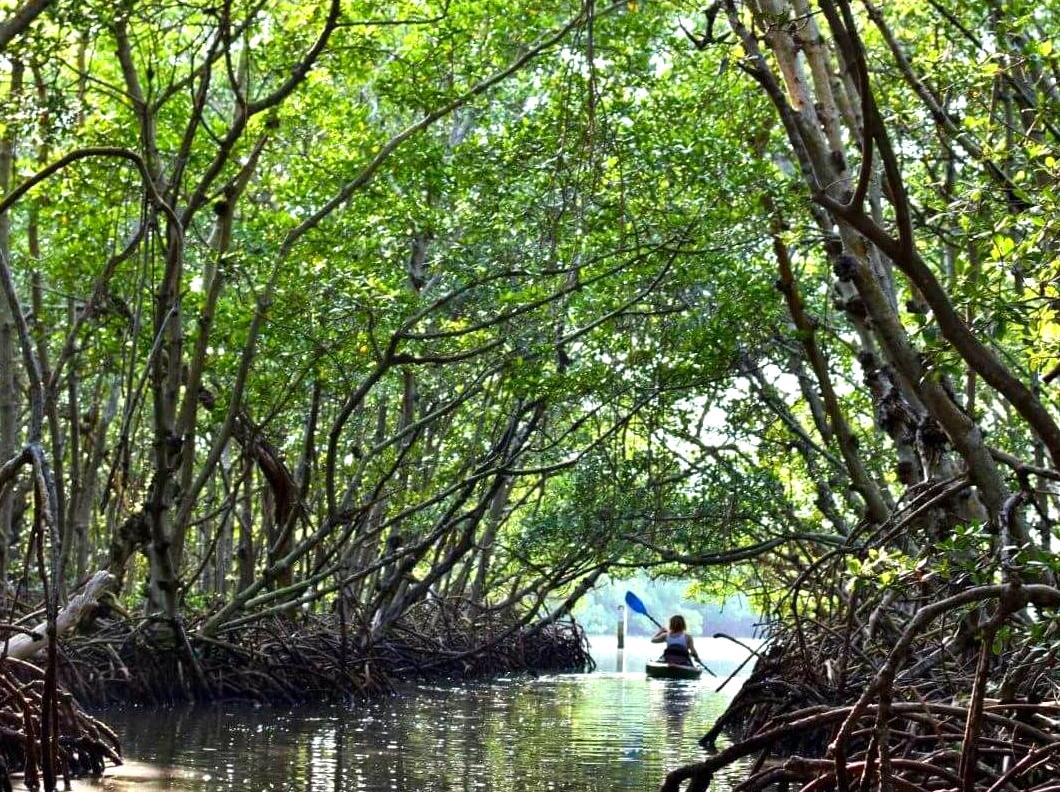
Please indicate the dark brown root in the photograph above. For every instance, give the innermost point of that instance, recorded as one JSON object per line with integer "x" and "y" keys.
{"x": 924, "y": 699}
{"x": 84, "y": 744}
{"x": 283, "y": 660}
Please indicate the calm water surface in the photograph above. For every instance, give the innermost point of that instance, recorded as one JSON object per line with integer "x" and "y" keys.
{"x": 610, "y": 730}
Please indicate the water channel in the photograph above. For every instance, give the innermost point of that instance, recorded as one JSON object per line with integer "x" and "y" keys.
{"x": 609, "y": 730}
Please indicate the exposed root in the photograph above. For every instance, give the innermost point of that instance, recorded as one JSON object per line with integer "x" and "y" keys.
{"x": 84, "y": 745}
{"x": 309, "y": 658}
{"x": 906, "y": 693}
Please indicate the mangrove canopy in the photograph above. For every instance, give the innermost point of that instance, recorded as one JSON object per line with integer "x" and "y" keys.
{"x": 345, "y": 340}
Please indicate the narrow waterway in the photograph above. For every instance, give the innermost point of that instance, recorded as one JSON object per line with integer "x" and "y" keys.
{"x": 609, "y": 730}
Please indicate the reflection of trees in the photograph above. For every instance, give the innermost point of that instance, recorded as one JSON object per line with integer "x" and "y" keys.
{"x": 585, "y": 734}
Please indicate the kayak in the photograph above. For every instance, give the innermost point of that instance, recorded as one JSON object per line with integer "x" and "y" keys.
{"x": 671, "y": 671}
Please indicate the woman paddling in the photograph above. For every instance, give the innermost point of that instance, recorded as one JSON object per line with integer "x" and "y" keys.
{"x": 679, "y": 647}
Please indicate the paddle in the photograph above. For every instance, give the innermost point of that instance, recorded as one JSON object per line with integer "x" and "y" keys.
{"x": 635, "y": 605}
{"x": 705, "y": 667}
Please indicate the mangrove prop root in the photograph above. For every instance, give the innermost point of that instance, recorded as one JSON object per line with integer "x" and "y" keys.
{"x": 898, "y": 692}
{"x": 298, "y": 658}
{"x": 84, "y": 745}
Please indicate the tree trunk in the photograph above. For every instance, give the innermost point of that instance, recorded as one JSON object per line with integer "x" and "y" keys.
{"x": 9, "y": 389}
{"x": 245, "y": 549}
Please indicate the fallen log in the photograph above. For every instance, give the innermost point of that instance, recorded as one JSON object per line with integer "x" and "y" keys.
{"x": 24, "y": 646}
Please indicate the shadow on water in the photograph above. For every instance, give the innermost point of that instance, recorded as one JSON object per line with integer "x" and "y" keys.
{"x": 582, "y": 733}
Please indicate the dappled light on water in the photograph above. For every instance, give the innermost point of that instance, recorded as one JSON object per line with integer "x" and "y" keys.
{"x": 602, "y": 731}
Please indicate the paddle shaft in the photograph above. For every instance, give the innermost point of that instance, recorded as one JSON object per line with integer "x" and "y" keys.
{"x": 706, "y": 667}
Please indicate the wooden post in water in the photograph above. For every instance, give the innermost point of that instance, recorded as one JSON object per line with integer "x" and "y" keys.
{"x": 622, "y": 616}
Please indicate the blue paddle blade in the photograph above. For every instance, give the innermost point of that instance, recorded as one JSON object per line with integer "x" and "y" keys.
{"x": 634, "y": 603}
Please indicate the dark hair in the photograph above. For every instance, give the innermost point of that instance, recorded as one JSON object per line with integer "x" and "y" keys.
{"x": 677, "y": 623}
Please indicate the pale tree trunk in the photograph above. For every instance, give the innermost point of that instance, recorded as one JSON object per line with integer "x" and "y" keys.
{"x": 194, "y": 397}
{"x": 165, "y": 382}
{"x": 23, "y": 646}
{"x": 207, "y": 528}
{"x": 371, "y": 551}
{"x": 921, "y": 407}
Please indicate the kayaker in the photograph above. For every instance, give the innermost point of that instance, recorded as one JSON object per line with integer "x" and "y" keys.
{"x": 679, "y": 646}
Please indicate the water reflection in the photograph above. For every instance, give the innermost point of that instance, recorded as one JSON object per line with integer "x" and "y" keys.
{"x": 580, "y": 733}
{"x": 678, "y": 699}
